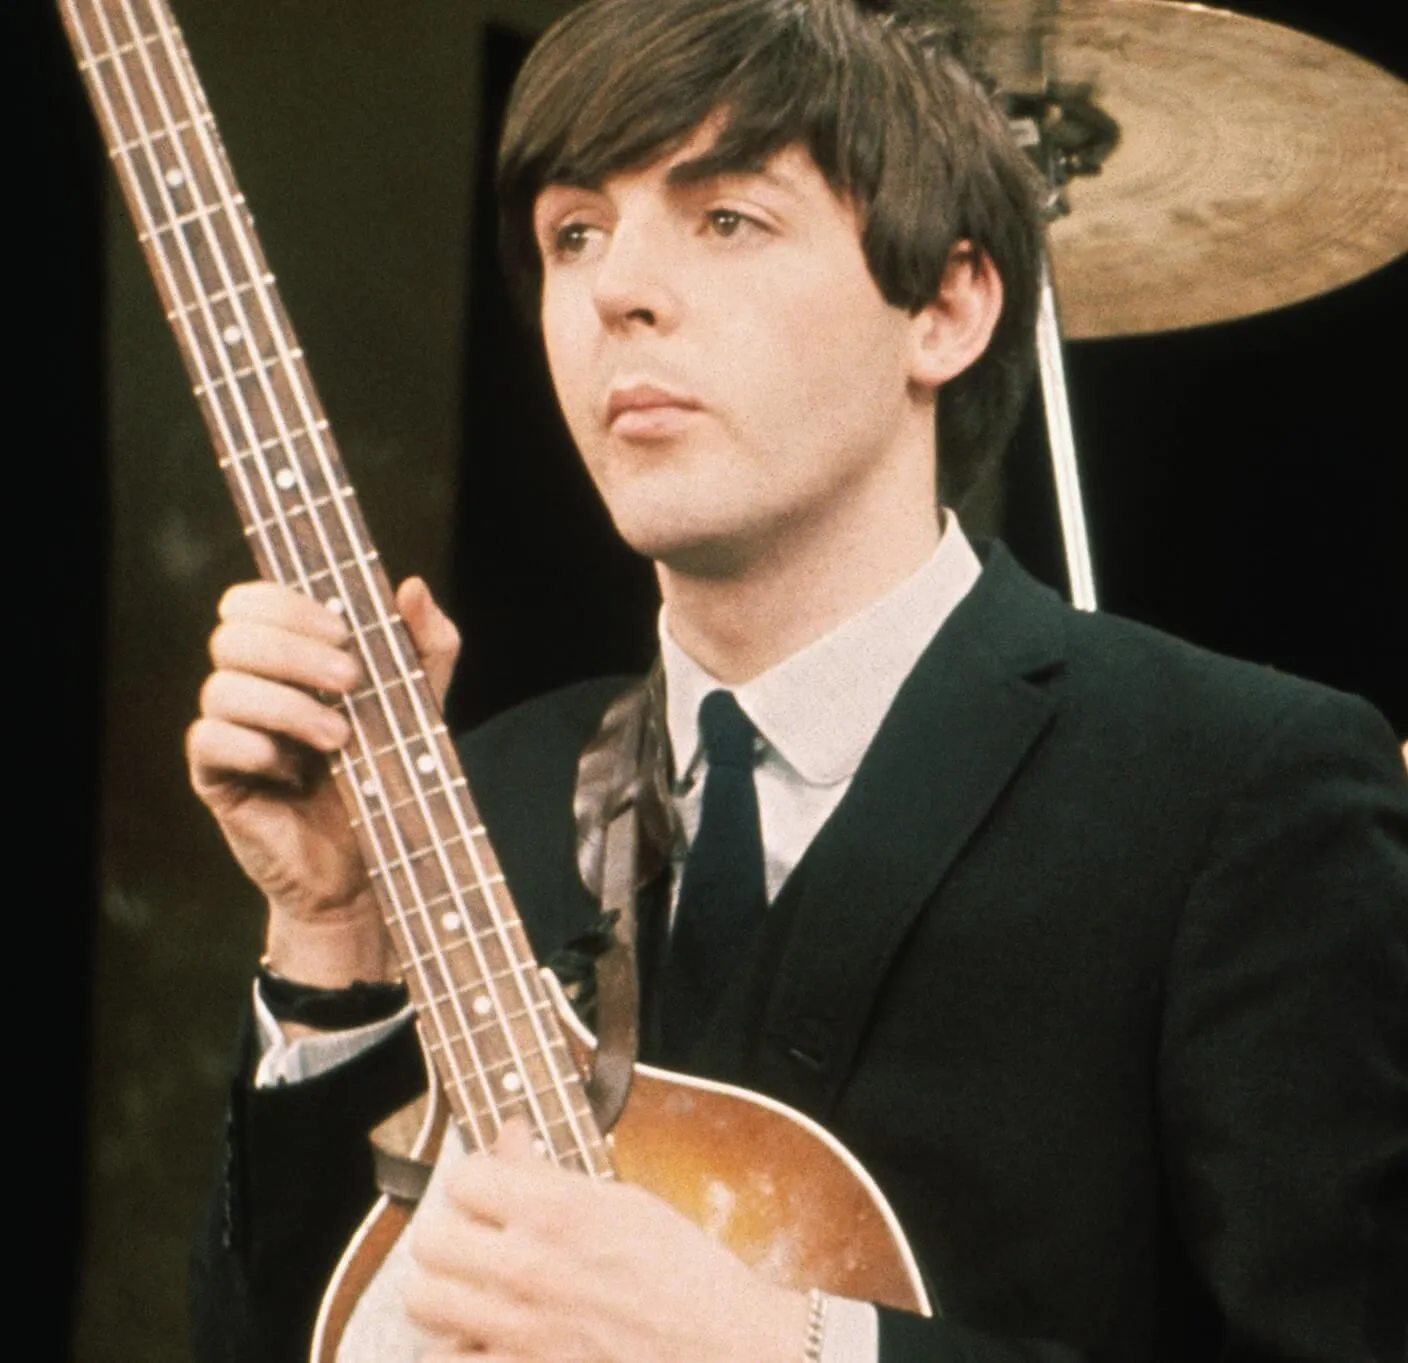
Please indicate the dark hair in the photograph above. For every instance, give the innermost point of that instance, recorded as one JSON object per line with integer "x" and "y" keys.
{"x": 878, "y": 94}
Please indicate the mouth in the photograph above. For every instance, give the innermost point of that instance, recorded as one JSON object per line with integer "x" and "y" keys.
{"x": 644, "y": 409}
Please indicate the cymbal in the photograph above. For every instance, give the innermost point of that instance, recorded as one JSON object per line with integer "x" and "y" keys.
{"x": 1256, "y": 166}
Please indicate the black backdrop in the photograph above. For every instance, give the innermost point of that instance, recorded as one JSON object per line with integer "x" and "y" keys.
{"x": 1246, "y": 490}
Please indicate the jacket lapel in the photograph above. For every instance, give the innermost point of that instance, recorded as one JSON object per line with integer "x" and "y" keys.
{"x": 956, "y": 735}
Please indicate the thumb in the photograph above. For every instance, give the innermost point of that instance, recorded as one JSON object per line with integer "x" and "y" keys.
{"x": 433, "y": 633}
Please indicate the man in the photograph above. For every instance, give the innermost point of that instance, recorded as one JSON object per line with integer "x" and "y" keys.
{"x": 1089, "y": 945}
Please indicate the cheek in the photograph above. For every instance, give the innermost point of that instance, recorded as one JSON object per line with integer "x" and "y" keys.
{"x": 569, "y": 361}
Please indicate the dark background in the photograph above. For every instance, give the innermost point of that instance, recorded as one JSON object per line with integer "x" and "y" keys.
{"x": 1245, "y": 486}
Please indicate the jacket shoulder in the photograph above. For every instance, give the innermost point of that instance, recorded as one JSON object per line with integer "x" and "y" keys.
{"x": 1139, "y": 685}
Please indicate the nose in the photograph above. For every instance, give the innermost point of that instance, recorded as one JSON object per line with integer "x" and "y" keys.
{"x": 632, "y": 285}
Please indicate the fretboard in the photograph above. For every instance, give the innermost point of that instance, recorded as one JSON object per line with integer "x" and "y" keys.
{"x": 484, "y": 1015}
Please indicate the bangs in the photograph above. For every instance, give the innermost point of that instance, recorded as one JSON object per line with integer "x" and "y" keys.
{"x": 614, "y": 88}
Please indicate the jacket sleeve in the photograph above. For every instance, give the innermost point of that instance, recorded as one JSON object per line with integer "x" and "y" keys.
{"x": 1283, "y": 1079}
{"x": 1282, "y": 1072}
{"x": 294, "y": 1180}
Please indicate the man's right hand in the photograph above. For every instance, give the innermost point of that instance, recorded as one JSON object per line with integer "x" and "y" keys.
{"x": 257, "y": 758}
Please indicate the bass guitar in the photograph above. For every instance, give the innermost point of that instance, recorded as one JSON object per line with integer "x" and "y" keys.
{"x": 769, "y": 1183}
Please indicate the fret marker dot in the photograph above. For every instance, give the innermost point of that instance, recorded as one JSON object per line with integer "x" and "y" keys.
{"x": 369, "y": 786}
{"x": 513, "y": 1083}
{"x": 425, "y": 764}
{"x": 334, "y": 604}
{"x": 175, "y": 178}
{"x": 450, "y": 922}
{"x": 286, "y": 478}
{"x": 232, "y": 335}
{"x": 482, "y": 1006}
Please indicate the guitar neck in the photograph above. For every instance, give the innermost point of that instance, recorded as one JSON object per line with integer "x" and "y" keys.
{"x": 484, "y": 1015}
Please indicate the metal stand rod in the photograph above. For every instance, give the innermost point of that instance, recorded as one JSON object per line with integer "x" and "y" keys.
{"x": 1062, "y": 438}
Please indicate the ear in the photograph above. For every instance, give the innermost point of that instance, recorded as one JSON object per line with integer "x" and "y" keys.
{"x": 953, "y": 331}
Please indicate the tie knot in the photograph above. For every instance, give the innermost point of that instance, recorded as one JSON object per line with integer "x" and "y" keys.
{"x": 727, "y": 733}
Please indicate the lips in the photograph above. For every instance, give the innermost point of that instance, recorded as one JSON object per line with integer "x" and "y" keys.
{"x": 642, "y": 402}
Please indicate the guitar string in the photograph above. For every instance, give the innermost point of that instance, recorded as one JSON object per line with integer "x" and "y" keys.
{"x": 550, "y": 1047}
{"x": 446, "y": 782}
{"x": 195, "y": 275}
{"x": 255, "y": 453}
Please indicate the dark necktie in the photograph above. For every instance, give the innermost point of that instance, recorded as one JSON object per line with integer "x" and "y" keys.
{"x": 723, "y": 893}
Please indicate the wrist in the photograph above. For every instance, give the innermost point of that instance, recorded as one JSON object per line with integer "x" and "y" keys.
{"x": 332, "y": 950}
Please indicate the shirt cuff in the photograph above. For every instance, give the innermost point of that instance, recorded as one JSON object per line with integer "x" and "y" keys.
{"x": 282, "y": 1061}
{"x": 852, "y": 1332}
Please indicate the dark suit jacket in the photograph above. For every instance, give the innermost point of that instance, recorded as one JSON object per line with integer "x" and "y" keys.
{"x": 1100, "y": 968}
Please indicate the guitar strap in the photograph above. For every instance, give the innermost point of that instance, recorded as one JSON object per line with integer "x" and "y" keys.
{"x": 625, "y": 828}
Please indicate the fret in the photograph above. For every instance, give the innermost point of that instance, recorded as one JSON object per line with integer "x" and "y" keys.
{"x": 516, "y": 972}
{"x": 301, "y": 509}
{"x": 386, "y": 623}
{"x": 265, "y": 365}
{"x": 409, "y": 860}
{"x": 410, "y": 681}
{"x": 445, "y": 791}
{"x": 276, "y": 442}
{"x": 540, "y": 1007}
{"x": 564, "y": 1122}
{"x": 149, "y": 140}
{"x": 536, "y": 1080}
{"x": 448, "y": 899}
{"x": 489, "y": 1071}
{"x": 439, "y": 731}
{"x": 146, "y": 40}
{"x": 204, "y": 213}
{"x": 493, "y": 957}
{"x": 349, "y": 565}
{"x": 213, "y": 300}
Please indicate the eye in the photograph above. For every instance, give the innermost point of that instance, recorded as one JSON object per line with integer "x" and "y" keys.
{"x": 571, "y": 239}
{"x": 729, "y": 222}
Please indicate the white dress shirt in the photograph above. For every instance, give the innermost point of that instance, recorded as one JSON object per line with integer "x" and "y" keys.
{"x": 817, "y": 714}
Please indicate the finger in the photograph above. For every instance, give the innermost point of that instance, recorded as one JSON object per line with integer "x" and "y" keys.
{"x": 434, "y": 634}
{"x": 449, "y": 1245}
{"x": 283, "y": 655}
{"x": 255, "y": 703}
{"x": 218, "y": 752}
{"x": 515, "y": 1141}
{"x": 530, "y": 1193}
{"x": 282, "y": 607}
{"x": 478, "y": 1320}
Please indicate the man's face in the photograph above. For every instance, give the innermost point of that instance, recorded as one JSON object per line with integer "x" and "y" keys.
{"x": 731, "y": 374}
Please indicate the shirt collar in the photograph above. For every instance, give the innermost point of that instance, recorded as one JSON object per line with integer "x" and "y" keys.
{"x": 820, "y": 709}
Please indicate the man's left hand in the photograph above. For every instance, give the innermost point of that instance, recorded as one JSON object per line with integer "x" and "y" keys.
{"x": 528, "y": 1262}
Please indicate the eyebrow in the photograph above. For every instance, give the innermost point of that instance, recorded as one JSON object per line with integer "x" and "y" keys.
{"x": 691, "y": 173}
{"x": 699, "y": 169}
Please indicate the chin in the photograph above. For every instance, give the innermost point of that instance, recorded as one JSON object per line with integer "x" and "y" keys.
{"x": 683, "y": 545}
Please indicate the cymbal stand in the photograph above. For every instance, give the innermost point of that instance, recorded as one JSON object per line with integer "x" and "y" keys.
{"x": 1065, "y": 466}
{"x": 1066, "y": 134}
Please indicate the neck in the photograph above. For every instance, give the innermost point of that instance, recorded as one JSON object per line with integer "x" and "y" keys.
{"x": 739, "y": 624}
